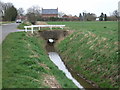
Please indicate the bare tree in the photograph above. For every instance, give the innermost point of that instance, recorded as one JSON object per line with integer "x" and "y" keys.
{"x": 33, "y": 14}
{"x": 1, "y": 10}
{"x": 116, "y": 14}
{"x": 34, "y": 9}
{"x": 90, "y": 17}
{"x": 60, "y": 14}
{"x": 20, "y": 11}
{"x": 6, "y": 6}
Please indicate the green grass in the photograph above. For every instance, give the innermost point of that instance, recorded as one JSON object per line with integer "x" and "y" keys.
{"x": 104, "y": 29}
{"x": 92, "y": 50}
{"x": 0, "y": 66}
{"x": 26, "y": 64}
{"x": 21, "y": 25}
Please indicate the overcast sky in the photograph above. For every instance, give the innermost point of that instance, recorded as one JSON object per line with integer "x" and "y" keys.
{"x": 73, "y": 7}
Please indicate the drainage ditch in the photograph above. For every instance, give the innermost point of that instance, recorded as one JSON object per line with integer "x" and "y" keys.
{"x": 52, "y": 37}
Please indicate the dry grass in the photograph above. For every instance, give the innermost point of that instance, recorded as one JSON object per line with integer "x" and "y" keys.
{"x": 41, "y": 23}
{"x": 51, "y": 81}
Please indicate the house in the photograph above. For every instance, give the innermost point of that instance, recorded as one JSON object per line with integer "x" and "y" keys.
{"x": 65, "y": 16}
{"x": 21, "y": 17}
{"x": 47, "y": 13}
{"x": 70, "y": 17}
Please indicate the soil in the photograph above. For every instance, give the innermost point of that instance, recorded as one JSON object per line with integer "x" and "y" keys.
{"x": 41, "y": 23}
{"x": 51, "y": 81}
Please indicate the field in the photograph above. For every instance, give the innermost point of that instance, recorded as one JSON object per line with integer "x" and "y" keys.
{"x": 26, "y": 64}
{"x": 104, "y": 29}
{"x": 92, "y": 50}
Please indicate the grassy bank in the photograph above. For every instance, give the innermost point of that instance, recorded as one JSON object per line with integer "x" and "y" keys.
{"x": 92, "y": 50}
{"x": 104, "y": 29}
{"x": 26, "y": 64}
{"x": 21, "y": 25}
{"x": 0, "y": 66}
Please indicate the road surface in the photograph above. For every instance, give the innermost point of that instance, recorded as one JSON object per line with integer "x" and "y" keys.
{"x": 5, "y": 29}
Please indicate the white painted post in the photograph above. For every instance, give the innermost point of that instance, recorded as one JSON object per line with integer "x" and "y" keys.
{"x": 61, "y": 27}
{"x": 25, "y": 29}
{"x": 39, "y": 28}
{"x": 32, "y": 30}
{"x": 50, "y": 27}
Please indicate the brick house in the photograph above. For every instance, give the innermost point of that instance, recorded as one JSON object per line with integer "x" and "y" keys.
{"x": 65, "y": 16}
{"x": 70, "y": 17}
{"x": 46, "y": 13}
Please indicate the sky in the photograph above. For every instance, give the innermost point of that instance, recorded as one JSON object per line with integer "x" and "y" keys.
{"x": 73, "y": 7}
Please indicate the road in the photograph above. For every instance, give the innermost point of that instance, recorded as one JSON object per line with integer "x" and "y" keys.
{"x": 5, "y": 29}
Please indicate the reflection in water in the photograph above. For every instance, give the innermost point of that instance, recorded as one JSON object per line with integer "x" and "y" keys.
{"x": 55, "y": 58}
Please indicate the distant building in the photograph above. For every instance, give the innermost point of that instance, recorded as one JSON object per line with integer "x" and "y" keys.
{"x": 70, "y": 17}
{"x": 65, "y": 16}
{"x": 22, "y": 18}
{"x": 46, "y": 13}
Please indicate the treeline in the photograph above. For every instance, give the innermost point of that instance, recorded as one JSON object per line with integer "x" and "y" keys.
{"x": 8, "y": 12}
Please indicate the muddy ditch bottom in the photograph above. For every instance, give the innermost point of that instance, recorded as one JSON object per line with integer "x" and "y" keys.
{"x": 57, "y": 36}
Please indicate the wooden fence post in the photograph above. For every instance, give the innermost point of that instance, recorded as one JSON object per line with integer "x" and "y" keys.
{"x": 32, "y": 30}
{"x": 25, "y": 29}
{"x": 39, "y": 28}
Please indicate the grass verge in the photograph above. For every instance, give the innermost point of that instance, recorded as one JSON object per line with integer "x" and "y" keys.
{"x": 26, "y": 64}
{"x": 21, "y": 25}
{"x": 93, "y": 52}
{"x": 0, "y": 66}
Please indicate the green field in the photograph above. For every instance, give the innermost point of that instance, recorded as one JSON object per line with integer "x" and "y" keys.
{"x": 21, "y": 25}
{"x": 26, "y": 64}
{"x": 92, "y": 50}
{"x": 104, "y": 29}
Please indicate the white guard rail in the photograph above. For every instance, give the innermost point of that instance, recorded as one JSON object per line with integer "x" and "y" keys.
{"x": 39, "y": 26}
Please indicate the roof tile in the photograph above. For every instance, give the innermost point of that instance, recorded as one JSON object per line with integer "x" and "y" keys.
{"x": 49, "y": 11}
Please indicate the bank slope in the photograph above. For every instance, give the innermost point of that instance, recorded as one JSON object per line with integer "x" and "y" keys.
{"x": 26, "y": 64}
{"x": 93, "y": 56}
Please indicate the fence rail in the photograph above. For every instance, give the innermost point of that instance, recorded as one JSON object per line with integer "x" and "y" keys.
{"x": 40, "y": 26}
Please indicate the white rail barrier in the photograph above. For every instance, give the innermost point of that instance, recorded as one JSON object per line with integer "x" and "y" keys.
{"x": 39, "y": 26}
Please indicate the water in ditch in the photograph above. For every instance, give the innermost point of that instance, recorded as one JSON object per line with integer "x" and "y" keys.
{"x": 55, "y": 58}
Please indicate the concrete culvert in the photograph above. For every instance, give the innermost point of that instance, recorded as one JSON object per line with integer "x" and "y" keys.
{"x": 51, "y": 40}
{"x": 51, "y": 37}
